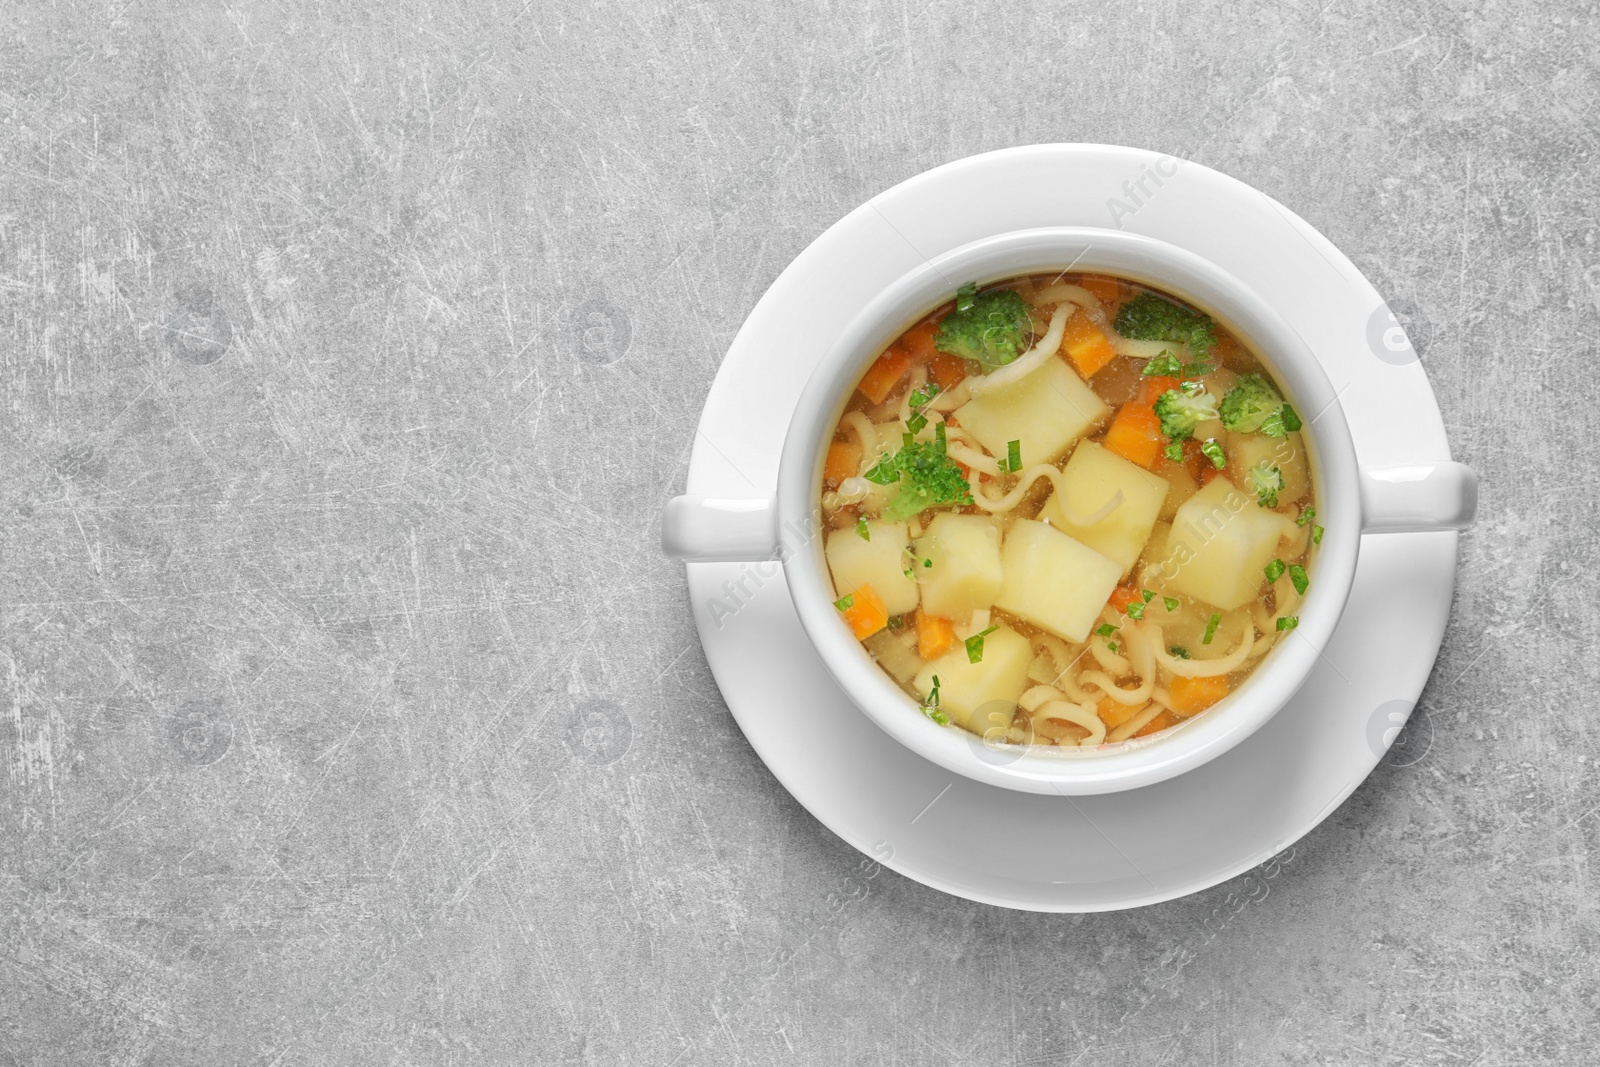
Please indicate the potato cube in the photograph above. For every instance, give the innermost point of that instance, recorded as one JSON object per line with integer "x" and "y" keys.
{"x": 1219, "y": 543}
{"x": 879, "y": 561}
{"x": 981, "y": 696}
{"x": 1287, "y": 453}
{"x": 964, "y": 551}
{"x": 1046, "y": 411}
{"x": 1054, "y": 581}
{"x": 1107, "y": 503}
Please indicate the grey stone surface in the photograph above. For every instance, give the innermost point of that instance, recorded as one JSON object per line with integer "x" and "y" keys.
{"x": 348, "y": 715}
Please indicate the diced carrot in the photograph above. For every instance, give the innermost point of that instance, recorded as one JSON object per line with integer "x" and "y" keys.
{"x": 1157, "y": 724}
{"x": 934, "y": 635}
{"x": 844, "y": 459}
{"x": 1086, "y": 345}
{"x": 866, "y": 613}
{"x": 919, "y": 340}
{"x": 1135, "y": 434}
{"x": 885, "y": 374}
{"x": 1106, "y": 290}
{"x": 1113, "y": 714}
{"x": 946, "y": 370}
{"x": 1150, "y": 389}
{"x": 1122, "y": 596}
{"x": 1191, "y": 696}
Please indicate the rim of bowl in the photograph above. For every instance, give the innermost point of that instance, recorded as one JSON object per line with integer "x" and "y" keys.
{"x": 1164, "y": 266}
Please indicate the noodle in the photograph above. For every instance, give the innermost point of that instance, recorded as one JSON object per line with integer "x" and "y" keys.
{"x": 1136, "y": 722}
{"x": 1024, "y": 483}
{"x": 1205, "y": 668}
{"x": 866, "y": 435}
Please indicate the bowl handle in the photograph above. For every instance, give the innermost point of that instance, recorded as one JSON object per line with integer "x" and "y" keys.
{"x": 719, "y": 530}
{"x": 1433, "y": 496}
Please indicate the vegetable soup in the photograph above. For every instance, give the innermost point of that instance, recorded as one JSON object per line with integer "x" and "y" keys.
{"x": 1068, "y": 510}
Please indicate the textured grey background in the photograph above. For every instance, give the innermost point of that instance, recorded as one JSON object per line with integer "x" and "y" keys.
{"x": 348, "y": 715}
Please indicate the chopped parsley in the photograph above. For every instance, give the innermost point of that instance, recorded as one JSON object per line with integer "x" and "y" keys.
{"x": 927, "y": 477}
{"x": 1297, "y": 575}
{"x": 1136, "y": 610}
{"x": 1174, "y": 451}
{"x": 1307, "y": 513}
{"x": 927, "y": 563}
{"x": 1165, "y": 365}
{"x": 1316, "y": 535}
{"x": 1210, "y": 449}
{"x": 975, "y": 644}
{"x": 1113, "y": 646}
{"x": 1288, "y": 622}
{"x": 862, "y": 530}
{"x": 1275, "y": 570}
{"x": 1013, "y": 456}
{"x": 919, "y": 399}
{"x": 1146, "y": 595}
{"x": 1211, "y": 628}
{"x": 1179, "y": 652}
{"x": 1105, "y": 629}
{"x": 1170, "y": 602}
{"x": 930, "y": 706}
{"x": 846, "y": 602}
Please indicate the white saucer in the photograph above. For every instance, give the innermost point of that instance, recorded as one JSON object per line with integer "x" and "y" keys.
{"x": 1072, "y": 853}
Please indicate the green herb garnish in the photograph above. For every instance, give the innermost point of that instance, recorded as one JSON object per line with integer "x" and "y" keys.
{"x": 846, "y": 602}
{"x": 1166, "y": 365}
{"x": 1210, "y": 449}
{"x": 1297, "y": 575}
{"x": 1174, "y": 451}
{"x": 1146, "y": 595}
{"x": 862, "y": 530}
{"x": 1136, "y": 610}
{"x": 1316, "y": 535}
{"x": 1211, "y": 628}
{"x": 1288, "y": 622}
{"x": 975, "y": 644}
{"x": 930, "y": 706}
{"x": 1013, "y": 456}
{"x": 1113, "y": 646}
{"x": 1307, "y": 513}
{"x": 1105, "y": 629}
{"x": 1179, "y": 651}
{"x": 1275, "y": 570}
{"x": 1170, "y": 602}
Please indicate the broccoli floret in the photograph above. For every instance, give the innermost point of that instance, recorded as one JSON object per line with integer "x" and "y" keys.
{"x": 1266, "y": 482}
{"x": 992, "y": 328}
{"x": 1249, "y": 404}
{"x": 926, "y": 478}
{"x": 1181, "y": 412}
{"x": 1148, "y": 317}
